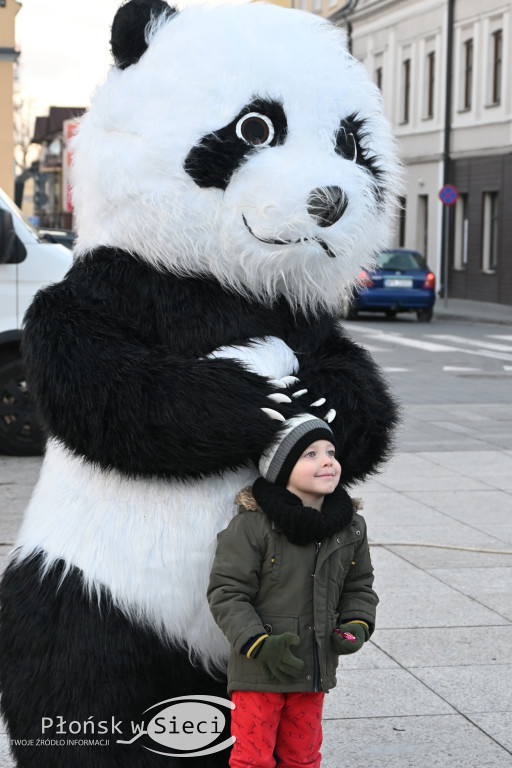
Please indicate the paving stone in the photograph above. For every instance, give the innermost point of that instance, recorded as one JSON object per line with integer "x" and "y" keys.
{"x": 411, "y": 598}
{"x": 440, "y": 741}
{"x": 483, "y": 688}
{"x": 490, "y": 586}
{"x": 496, "y": 724}
{"x": 503, "y": 533}
{"x": 428, "y": 558}
{"x": 475, "y": 507}
{"x": 473, "y": 580}
{"x": 420, "y": 465}
{"x": 452, "y": 482}
{"x": 450, "y": 532}
{"x": 382, "y": 693}
{"x": 369, "y": 657}
{"x": 482, "y": 465}
{"x": 446, "y": 646}
{"x": 391, "y": 508}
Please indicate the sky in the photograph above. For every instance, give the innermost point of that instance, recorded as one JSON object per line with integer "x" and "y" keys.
{"x": 65, "y": 50}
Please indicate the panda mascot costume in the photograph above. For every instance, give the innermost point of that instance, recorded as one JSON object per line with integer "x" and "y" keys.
{"x": 231, "y": 178}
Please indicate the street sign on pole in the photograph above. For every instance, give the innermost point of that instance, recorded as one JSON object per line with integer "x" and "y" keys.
{"x": 448, "y": 194}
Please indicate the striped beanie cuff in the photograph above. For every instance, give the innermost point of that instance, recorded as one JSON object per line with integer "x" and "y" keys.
{"x": 278, "y": 460}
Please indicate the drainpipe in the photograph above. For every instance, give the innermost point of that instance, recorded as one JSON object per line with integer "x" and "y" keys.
{"x": 446, "y": 148}
{"x": 341, "y": 15}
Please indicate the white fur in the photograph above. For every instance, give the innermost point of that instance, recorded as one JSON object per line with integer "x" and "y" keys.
{"x": 269, "y": 357}
{"x": 201, "y": 67}
{"x": 150, "y": 542}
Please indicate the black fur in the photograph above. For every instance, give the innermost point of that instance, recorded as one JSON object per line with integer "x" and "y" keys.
{"x": 349, "y": 143}
{"x": 214, "y": 160}
{"x": 115, "y": 357}
{"x": 63, "y": 655}
{"x": 128, "y": 40}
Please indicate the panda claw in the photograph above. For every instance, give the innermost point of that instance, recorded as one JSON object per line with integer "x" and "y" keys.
{"x": 286, "y": 381}
{"x": 273, "y": 414}
{"x": 299, "y": 393}
{"x": 320, "y": 401}
{"x": 330, "y": 416}
{"x": 278, "y": 397}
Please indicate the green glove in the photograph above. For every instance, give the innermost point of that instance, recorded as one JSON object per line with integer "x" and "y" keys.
{"x": 344, "y": 645}
{"x": 275, "y": 657}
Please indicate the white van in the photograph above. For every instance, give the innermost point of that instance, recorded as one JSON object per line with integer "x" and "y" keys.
{"x": 26, "y": 264}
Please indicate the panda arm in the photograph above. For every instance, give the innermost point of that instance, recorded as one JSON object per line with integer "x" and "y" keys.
{"x": 335, "y": 368}
{"x": 141, "y": 409}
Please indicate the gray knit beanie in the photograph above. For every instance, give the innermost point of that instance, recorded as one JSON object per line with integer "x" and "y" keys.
{"x": 278, "y": 460}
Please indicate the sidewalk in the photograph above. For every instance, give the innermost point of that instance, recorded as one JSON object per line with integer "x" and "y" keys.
{"x": 433, "y": 687}
{"x": 475, "y": 311}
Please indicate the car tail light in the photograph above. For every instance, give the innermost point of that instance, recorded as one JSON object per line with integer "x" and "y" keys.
{"x": 364, "y": 279}
{"x": 430, "y": 281}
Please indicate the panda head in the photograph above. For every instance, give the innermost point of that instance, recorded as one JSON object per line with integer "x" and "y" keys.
{"x": 238, "y": 141}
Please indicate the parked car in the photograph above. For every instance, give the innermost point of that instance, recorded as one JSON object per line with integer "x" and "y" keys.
{"x": 63, "y": 236}
{"x": 400, "y": 282}
{"x": 27, "y": 263}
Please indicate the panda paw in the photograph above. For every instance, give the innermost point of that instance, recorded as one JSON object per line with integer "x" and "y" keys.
{"x": 281, "y": 397}
{"x": 331, "y": 413}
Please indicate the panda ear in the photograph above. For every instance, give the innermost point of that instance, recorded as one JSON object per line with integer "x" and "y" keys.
{"x": 128, "y": 41}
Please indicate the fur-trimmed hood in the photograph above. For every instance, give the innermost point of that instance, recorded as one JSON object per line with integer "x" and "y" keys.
{"x": 245, "y": 498}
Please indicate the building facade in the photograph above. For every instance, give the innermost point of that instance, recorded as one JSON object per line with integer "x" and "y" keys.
{"x": 405, "y": 46}
{"x": 8, "y": 55}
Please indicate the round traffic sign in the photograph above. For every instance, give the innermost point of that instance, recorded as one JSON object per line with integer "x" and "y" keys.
{"x": 448, "y": 194}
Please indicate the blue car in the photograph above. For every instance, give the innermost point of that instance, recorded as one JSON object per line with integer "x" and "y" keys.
{"x": 400, "y": 282}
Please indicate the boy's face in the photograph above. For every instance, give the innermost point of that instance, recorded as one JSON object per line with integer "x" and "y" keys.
{"x": 316, "y": 473}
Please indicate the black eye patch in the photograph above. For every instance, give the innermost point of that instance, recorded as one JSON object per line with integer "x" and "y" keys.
{"x": 213, "y": 161}
{"x": 348, "y": 144}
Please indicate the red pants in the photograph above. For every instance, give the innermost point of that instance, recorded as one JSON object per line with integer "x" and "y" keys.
{"x": 289, "y": 723}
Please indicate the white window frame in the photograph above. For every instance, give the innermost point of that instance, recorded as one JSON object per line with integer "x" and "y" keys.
{"x": 490, "y": 223}
{"x": 496, "y": 25}
{"x": 406, "y": 87}
{"x": 429, "y": 50}
{"x": 461, "y": 232}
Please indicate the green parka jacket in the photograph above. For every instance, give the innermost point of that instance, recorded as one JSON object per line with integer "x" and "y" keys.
{"x": 261, "y": 583}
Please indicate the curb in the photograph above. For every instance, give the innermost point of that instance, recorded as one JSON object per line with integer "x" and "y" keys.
{"x": 451, "y": 315}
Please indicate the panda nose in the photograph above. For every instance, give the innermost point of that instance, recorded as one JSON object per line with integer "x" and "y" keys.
{"x": 327, "y": 205}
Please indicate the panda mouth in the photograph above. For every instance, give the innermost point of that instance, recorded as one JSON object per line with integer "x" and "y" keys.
{"x": 279, "y": 241}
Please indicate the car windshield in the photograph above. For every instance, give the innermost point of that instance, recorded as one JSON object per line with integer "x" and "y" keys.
{"x": 400, "y": 260}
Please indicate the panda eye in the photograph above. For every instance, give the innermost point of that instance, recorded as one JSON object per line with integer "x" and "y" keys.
{"x": 255, "y": 129}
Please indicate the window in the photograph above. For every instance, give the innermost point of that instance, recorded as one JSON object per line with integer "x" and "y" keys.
{"x": 430, "y": 89}
{"x": 406, "y": 90}
{"x": 468, "y": 74}
{"x": 490, "y": 232}
{"x": 402, "y": 201}
{"x": 422, "y": 228}
{"x": 317, "y": 5}
{"x": 460, "y": 254}
{"x": 378, "y": 69}
{"x": 497, "y": 49}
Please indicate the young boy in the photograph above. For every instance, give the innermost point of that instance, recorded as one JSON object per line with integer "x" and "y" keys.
{"x": 291, "y": 588}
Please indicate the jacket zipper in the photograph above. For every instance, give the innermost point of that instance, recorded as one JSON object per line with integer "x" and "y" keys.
{"x": 316, "y": 666}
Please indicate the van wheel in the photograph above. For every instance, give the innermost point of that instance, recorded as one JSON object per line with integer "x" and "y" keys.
{"x": 20, "y": 432}
{"x": 425, "y": 315}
